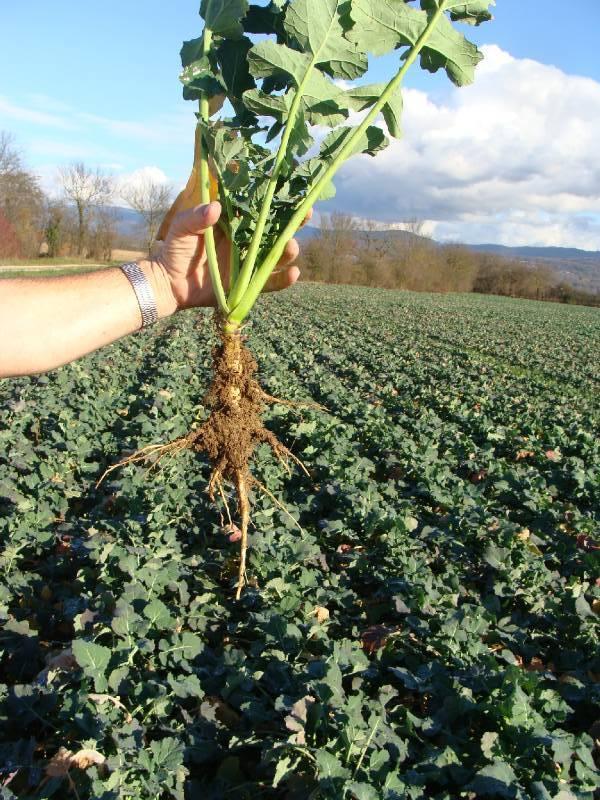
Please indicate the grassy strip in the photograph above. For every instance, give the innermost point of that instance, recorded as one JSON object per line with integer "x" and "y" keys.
{"x": 52, "y": 272}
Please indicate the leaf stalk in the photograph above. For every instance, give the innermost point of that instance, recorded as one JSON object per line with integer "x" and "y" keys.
{"x": 242, "y": 308}
{"x": 209, "y": 234}
{"x": 245, "y": 275}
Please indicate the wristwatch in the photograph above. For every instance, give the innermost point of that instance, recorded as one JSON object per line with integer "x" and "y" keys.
{"x": 143, "y": 292}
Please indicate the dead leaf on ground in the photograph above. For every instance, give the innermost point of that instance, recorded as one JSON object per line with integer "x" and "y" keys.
{"x": 233, "y": 532}
{"x": 296, "y": 719}
{"x": 375, "y": 638}
{"x": 108, "y": 698}
{"x": 60, "y": 764}
{"x": 322, "y": 614}
{"x": 521, "y": 454}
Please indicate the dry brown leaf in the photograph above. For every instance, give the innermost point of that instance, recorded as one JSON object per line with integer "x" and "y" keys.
{"x": 65, "y": 660}
{"x": 86, "y": 617}
{"x": 536, "y": 665}
{"x": 296, "y": 719}
{"x": 190, "y": 196}
{"x": 233, "y": 532}
{"x": 84, "y": 759}
{"x": 322, "y": 614}
{"x": 375, "y": 638}
{"x": 524, "y": 454}
{"x": 60, "y": 764}
{"x": 108, "y": 698}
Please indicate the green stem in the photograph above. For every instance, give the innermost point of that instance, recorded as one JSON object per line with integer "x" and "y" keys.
{"x": 245, "y": 275}
{"x": 243, "y": 307}
{"x": 209, "y": 234}
{"x": 234, "y": 253}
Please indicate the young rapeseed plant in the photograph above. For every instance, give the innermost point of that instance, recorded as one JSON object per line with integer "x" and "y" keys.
{"x": 267, "y": 79}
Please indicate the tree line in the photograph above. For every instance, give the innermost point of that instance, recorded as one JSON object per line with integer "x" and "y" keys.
{"x": 342, "y": 251}
{"x": 81, "y": 221}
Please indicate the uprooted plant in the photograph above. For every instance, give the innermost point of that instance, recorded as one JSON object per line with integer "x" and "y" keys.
{"x": 271, "y": 80}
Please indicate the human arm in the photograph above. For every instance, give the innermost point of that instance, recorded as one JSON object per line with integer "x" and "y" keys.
{"x": 48, "y": 322}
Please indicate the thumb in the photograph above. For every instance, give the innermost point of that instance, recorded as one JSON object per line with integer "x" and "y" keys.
{"x": 196, "y": 220}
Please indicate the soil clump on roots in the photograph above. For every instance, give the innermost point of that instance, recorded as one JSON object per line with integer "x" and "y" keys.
{"x": 232, "y": 431}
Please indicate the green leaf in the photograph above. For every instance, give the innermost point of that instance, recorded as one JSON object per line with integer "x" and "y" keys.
{"x": 360, "y": 98}
{"x": 264, "y": 20}
{"x": 322, "y": 101}
{"x": 233, "y": 59}
{"x": 496, "y": 780}
{"x": 283, "y": 768}
{"x": 191, "y": 645}
{"x": 448, "y": 49}
{"x": 381, "y": 27}
{"x": 330, "y": 766}
{"x": 199, "y": 77}
{"x": 158, "y": 614}
{"x": 362, "y": 791}
{"x": 224, "y": 17}
{"x": 93, "y": 659}
{"x": 191, "y": 51}
{"x": 315, "y": 26}
{"x": 384, "y": 27}
{"x": 372, "y": 141}
{"x": 168, "y": 753}
{"x": 489, "y": 741}
{"x": 582, "y": 607}
{"x": 268, "y": 59}
{"x": 392, "y": 114}
{"x": 473, "y": 12}
{"x": 267, "y": 105}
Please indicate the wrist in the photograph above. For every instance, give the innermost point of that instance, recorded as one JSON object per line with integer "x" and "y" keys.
{"x": 166, "y": 303}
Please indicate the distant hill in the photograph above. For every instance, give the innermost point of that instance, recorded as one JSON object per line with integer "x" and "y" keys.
{"x": 129, "y": 222}
{"x": 580, "y": 268}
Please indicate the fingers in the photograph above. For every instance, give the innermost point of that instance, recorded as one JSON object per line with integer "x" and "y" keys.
{"x": 285, "y": 275}
{"x": 290, "y": 254}
{"x": 196, "y": 220}
{"x": 307, "y": 218}
{"x": 282, "y": 280}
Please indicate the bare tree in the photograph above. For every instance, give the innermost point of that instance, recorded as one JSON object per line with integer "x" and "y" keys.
{"x": 21, "y": 199}
{"x": 10, "y": 159}
{"x": 102, "y": 233}
{"x": 151, "y": 200}
{"x": 86, "y": 189}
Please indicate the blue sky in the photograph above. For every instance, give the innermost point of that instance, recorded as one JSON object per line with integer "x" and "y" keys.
{"x": 99, "y": 81}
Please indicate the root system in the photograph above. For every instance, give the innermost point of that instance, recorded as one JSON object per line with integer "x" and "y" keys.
{"x": 231, "y": 433}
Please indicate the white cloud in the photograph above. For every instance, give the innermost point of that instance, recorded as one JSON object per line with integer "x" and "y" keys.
{"x": 511, "y": 159}
{"x": 44, "y": 112}
{"x": 33, "y": 115}
{"x": 142, "y": 177}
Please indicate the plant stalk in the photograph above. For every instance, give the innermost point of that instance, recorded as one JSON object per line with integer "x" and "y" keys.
{"x": 242, "y": 308}
{"x": 245, "y": 275}
{"x": 209, "y": 234}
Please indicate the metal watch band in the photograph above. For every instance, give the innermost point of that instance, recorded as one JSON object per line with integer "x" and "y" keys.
{"x": 143, "y": 292}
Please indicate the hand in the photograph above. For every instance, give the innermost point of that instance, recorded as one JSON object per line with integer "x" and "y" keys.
{"x": 184, "y": 263}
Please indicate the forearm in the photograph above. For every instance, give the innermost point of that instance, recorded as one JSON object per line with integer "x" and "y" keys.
{"x": 47, "y": 322}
